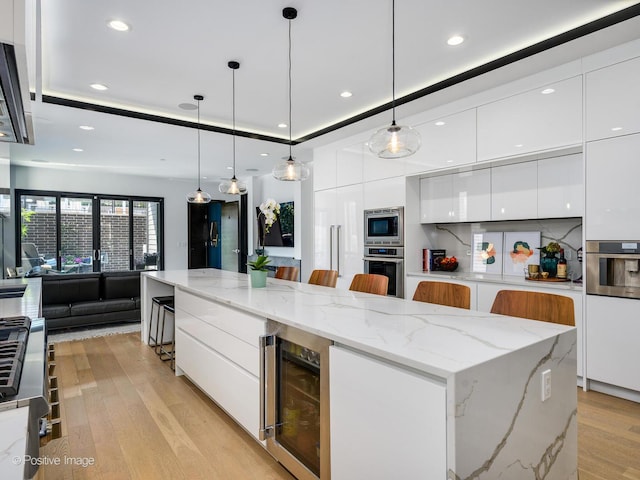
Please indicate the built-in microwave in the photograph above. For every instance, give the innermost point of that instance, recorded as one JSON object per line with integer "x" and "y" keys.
{"x": 384, "y": 226}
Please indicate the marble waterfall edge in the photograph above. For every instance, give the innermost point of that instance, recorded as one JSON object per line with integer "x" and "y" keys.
{"x": 494, "y": 425}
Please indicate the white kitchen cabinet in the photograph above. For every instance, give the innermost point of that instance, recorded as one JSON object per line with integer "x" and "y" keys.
{"x": 613, "y": 330}
{"x": 389, "y": 192}
{"x": 560, "y": 187}
{"x": 386, "y": 422}
{"x": 486, "y": 294}
{"x": 339, "y": 231}
{"x": 324, "y": 169}
{"x": 335, "y": 168}
{"x": 412, "y": 281}
{"x": 531, "y": 121}
{"x": 376, "y": 168}
{"x": 217, "y": 346}
{"x": 612, "y": 172}
{"x": 611, "y": 100}
{"x": 514, "y": 191}
{"x": 436, "y": 199}
{"x": 446, "y": 142}
{"x": 456, "y": 197}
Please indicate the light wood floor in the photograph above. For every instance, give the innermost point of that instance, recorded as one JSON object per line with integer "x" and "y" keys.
{"x": 126, "y": 410}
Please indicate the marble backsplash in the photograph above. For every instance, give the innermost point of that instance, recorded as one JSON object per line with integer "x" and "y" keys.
{"x": 456, "y": 238}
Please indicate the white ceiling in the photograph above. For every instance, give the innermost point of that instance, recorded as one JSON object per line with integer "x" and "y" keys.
{"x": 177, "y": 49}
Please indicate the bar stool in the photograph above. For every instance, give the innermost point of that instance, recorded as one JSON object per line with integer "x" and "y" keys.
{"x": 170, "y": 355}
{"x": 157, "y": 303}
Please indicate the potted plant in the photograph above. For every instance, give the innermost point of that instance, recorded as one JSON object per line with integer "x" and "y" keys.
{"x": 269, "y": 209}
{"x": 548, "y": 259}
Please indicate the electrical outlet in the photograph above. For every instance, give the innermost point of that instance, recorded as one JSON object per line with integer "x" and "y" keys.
{"x": 545, "y": 384}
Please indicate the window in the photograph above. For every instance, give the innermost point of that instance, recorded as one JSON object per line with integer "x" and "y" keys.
{"x": 76, "y": 233}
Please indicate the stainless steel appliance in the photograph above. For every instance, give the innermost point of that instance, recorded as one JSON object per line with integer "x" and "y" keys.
{"x": 384, "y": 226}
{"x": 294, "y": 400}
{"x": 22, "y": 380}
{"x": 387, "y": 261}
{"x": 613, "y": 268}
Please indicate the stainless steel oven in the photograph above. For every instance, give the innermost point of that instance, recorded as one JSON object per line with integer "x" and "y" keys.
{"x": 384, "y": 226}
{"x": 294, "y": 400}
{"x": 387, "y": 261}
{"x": 613, "y": 268}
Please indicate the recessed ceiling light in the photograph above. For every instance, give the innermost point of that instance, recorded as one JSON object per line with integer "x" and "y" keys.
{"x": 264, "y": 154}
{"x": 187, "y": 106}
{"x": 615, "y": 129}
{"x": 346, "y": 94}
{"x": 86, "y": 127}
{"x": 163, "y": 159}
{"x": 99, "y": 86}
{"x": 251, "y": 170}
{"x": 78, "y": 150}
{"x": 439, "y": 123}
{"x": 282, "y": 125}
{"x": 118, "y": 25}
{"x": 229, "y": 168}
{"x": 519, "y": 145}
{"x": 455, "y": 40}
{"x": 547, "y": 91}
{"x": 449, "y": 161}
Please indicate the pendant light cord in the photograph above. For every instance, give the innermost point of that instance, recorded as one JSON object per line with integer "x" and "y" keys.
{"x": 198, "y": 144}
{"x": 290, "y": 101}
{"x": 233, "y": 103}
{"x": 393, "y": 60}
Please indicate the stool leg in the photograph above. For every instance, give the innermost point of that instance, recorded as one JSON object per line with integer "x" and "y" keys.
{"x": 149, "y": 338}
{"x": 160, "y": 332}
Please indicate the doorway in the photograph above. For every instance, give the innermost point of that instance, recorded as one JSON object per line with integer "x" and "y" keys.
{"x": 230, "y": 246}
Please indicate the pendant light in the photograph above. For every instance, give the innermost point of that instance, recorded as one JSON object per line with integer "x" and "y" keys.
{"x": 290, "y": 170}
{"x": 394, "y": 141}
{"x": 233, "y": 186}
{"x": 198, "y": 196}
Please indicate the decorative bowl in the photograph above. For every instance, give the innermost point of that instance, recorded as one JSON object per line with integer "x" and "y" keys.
{"x": 448, "y": 267}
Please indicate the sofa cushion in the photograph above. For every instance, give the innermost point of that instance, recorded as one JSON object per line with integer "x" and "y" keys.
{"x": 70, "y": 288}
{"x": 120, "y": 285}
{"x": 103, "y": 306}
{"x": 56, "y": 311}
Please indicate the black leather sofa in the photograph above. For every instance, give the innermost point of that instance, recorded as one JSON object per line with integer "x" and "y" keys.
{"x": 84, "y": 299}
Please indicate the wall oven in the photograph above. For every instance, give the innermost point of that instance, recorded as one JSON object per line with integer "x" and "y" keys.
{"x": 384, "y": 226}
{"x": 294, "y": 400}
{"x": 388, "y": 262}
{"x": 613, "y": 268}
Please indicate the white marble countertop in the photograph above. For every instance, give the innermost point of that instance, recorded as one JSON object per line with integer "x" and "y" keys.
{"x": 495, "y": 278}
{"x": 432, "y": 338}
{"x": 27, "y": 305}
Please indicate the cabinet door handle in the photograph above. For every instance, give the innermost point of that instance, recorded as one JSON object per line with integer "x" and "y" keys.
{"x": 339, "y": 227}
{"x": 331, "y": 246}
{"x": 265, "y": 341}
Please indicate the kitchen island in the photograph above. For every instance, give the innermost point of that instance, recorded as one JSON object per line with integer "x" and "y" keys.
{"x": 481, "y": 414}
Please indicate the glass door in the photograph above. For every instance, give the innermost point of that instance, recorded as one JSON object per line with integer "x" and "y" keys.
{"x": 76, "y": 234}
{"x": 147, "y": 230}
{"x": 298, "y": 411}
{"x": 38, "y": 234}
{"x": 115, "y": 225}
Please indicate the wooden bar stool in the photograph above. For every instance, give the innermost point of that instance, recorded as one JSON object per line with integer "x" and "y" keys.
{"x": 443, "y": 293}
{"x": 546, "y": 307}
{"x": 156, "y": 304}
{"x": 370, "y": 283}
{"x": 326, "y": 278}
{"x": 287, "y": 273}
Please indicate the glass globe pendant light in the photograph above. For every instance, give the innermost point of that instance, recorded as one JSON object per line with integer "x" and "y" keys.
{"x": 198, "y": 196}
{"x": 233, "y": 186}
{"x": 290, "y": 170}
{"x": 394, "y": 141}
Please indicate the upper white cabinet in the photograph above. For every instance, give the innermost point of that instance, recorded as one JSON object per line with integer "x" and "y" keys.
{"x": 333, "y": 168}
{"x": 389, "y": 192}
{"x": 446, "y": 142}
{"x": 560, "y": 187}
{"x": 458, "y": 197}
{"x": 531, "y": 121}
{"x": 612, "y": 104}
{"x": 612, "y": 173}
{"x": 514, "y": 191}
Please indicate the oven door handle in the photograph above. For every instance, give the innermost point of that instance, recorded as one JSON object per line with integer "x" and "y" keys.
{"x": 383, "y": 259}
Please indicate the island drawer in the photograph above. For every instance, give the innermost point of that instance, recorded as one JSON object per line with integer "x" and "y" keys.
{"x": 240, "y": 324}
{"x": 244, "y": 354}
{"x": 232, "y": 388}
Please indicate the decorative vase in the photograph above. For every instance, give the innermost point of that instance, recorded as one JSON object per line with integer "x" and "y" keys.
{"x": 258, "y": 278}
{"x": 549, "y": 263}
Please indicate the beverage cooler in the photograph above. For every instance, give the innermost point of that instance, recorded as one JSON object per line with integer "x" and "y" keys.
{"x": 294, "y": 413}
